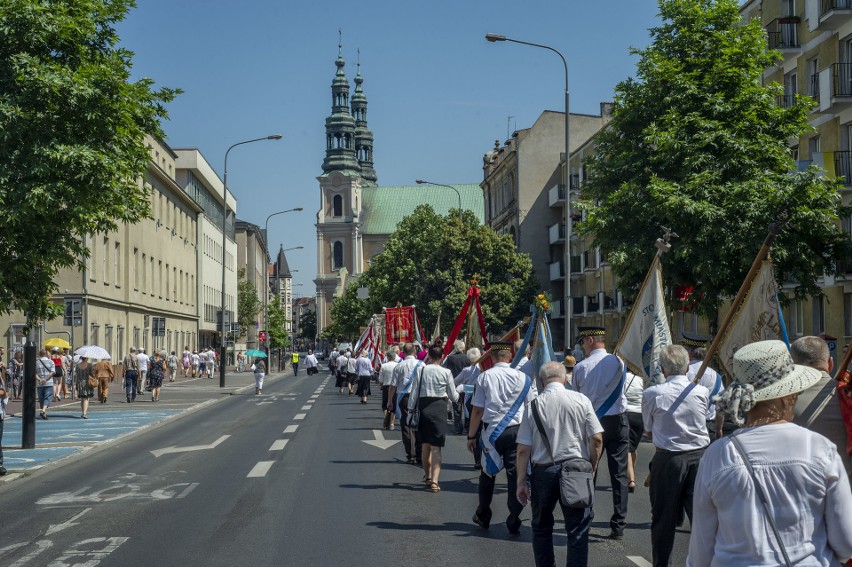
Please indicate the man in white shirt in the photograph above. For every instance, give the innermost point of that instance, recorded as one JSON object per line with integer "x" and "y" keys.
{"x": 499, "y": 401}
{"x": 386, "y": 379}
{"x": 364, "y": 371}
{"x": 143, "y": 369}
{"x": 351, "y": 371}
{"x": 311, "y": 363}
{"x": 675, "y": 415}
{"x": 573, "y": 432}
{"x": 403, "y": 377}
{"x": 211, "y": 362}
{"x": 196, "y": 363}
{"x": 711, "y": 379}
{"x": 600, "y": 377}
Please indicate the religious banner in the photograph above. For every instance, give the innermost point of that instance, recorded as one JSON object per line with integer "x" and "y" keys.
{"x": 757, "y": 318}
{"x": 471, "y": 306}
{"x": 400, "y": 324}
{"x": 647, "y": 329}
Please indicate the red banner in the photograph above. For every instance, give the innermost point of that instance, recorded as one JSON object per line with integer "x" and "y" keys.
{"x": 399, "y": 325}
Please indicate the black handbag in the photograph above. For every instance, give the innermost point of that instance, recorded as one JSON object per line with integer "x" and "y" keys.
{"x": 576, "y": 478}
{"x": 414, "y": 415}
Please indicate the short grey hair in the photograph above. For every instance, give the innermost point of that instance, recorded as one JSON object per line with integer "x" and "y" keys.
{"x": 551, "y": 372}
{"x": 674, "y": 360}
{"x": 699, "y": 353}
{"x": 810, "y": 351}
{"x": 391, "y": 355}
{"x": 474, "y": 354}
{"x": 458, "y": 345}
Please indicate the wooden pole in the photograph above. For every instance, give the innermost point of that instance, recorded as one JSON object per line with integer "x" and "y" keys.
{"x": 774, "y": 229}
{"x": 841, "y": 370}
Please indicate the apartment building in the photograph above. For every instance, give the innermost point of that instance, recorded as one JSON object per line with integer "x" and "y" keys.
{"x": 253, "y": 258}
{"x": 138, "y": 285}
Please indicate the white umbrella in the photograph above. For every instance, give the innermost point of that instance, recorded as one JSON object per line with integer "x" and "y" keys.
{"x": 92, "y": 351}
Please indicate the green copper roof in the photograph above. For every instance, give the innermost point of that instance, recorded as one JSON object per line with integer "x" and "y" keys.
{"x": 384, "y": 207}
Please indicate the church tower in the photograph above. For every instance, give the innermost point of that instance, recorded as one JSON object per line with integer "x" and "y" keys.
{"x": 340, "y": 126}
{"x": 363, "y": 136}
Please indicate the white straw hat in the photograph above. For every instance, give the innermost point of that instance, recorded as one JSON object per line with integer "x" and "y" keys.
{"x": 763, "y": 371}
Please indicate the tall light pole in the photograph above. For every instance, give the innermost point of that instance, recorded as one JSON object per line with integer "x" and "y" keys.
{"x": 569, "y": 219}
{"x": 266, "y": 278}
{"x": 423, "y": 182}
{"x": 223, "y": 353}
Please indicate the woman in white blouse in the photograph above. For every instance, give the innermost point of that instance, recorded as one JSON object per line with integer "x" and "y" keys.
{"x": 431, "y": 388}
{"x": 806, "y": 518}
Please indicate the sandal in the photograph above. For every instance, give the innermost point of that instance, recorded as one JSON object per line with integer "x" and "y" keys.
{"x": 427, "y": 480}
{"x": 433, "y": 486}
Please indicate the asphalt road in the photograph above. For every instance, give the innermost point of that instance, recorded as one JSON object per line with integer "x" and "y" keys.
{"x": 279, "y": 479}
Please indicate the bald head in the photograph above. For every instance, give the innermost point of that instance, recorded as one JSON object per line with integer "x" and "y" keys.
{"x": 552, "y": 372}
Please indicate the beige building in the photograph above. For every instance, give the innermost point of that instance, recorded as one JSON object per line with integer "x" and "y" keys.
{"x": 138, "y": 285}
{"x": 524, "y": 196}
{"x": 281, "y": 288}
{"x": 203, "y": 185}
{"x": 252, "y": 256}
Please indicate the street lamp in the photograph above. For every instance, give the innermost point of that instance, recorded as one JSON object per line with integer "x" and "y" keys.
{"x": 569, "y": 220}
{"x": 266, "y": 279}
{"x": 222, "y": 348}
{"x": 423, "y": 182}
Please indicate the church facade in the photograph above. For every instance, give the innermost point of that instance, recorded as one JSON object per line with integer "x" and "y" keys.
{"x": 356, "y": 217}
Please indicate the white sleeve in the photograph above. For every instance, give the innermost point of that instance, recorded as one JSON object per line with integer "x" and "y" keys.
{"x": 838, "y": 503}
{"x": 702, "y": 541}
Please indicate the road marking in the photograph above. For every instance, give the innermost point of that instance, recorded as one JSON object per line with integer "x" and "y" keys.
{"x": 53, "y": 528}
{"x": 263, "y": 403}
{"x": 379, "y": 440}
{"x": 299, "y": 416}
{"x": 173, "y": 449}
{"x": 310, "y": 401}
{"x": 291, "y": 429}
{"x": 640, "y": 561}
{"x": 260, "y": 469}
{"x": 315, "y": 396}
{"x": 186, "y": 491}
{"x": 306, "y": 408}
{"x": 279, "y": 445}
{"x": 40, "y": 546}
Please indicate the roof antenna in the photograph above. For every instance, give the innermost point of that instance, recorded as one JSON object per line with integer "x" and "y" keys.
{"x": 340, "y": 41}
{"x": 508, "y": 128}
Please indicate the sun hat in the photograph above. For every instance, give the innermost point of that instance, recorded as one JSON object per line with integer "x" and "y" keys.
{"x": 569, "y": 362}
{"x": 763, "y": 371}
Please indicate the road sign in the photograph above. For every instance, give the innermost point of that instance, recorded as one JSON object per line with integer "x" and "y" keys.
{"x": 261, "y": 336}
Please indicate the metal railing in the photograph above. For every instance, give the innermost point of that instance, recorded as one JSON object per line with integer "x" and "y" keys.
{"x": 843, "y": 166}
{"x": 785, "y": 100}
{"x": 842, "y": 79}
{"x": 813, "y": 86}
{"x": 783, "y": 33}
{"x": 827, "y": 6}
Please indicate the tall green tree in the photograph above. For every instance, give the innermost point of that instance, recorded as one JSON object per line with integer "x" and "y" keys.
{"x": 698, "y": 143}
{"x": 276, "y": 334}
{"x": 248, "y": 304}
{"x": 429, "y": 262}
{"x": 72, "y": 151}
{"x": 308, "y": 325}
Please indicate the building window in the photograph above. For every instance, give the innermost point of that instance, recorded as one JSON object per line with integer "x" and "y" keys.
{"x": 96, "y": 334}
{"x": 337, "y": 206}
{"x": 136, "y": 269}
{"x": 818, "y": 305}
{"x": 337, "y": 256}
{"x": 105, "y": 260}
{"x": 117, "y": 264}
{"x": 847, "y": 308}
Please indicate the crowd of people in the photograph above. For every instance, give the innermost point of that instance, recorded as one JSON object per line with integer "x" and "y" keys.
{"x": 758, "y": 467}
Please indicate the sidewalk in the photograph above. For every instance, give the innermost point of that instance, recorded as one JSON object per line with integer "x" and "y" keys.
{"x": 65, "y": 433}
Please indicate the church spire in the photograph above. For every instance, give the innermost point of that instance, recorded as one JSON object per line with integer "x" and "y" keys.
{"x": 363, "y": 136}
{"x": 340, "y": 126}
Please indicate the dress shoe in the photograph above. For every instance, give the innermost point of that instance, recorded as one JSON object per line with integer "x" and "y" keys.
{"x": 478, "y": 521}
{"x": 2, "y": 470}
{"x": 513, "y": 527}
{"x": 617, "y": 536}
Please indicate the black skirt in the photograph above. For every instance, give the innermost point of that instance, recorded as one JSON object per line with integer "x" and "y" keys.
{"x": 637, "y": 429}
{"x": 432, "y": 428}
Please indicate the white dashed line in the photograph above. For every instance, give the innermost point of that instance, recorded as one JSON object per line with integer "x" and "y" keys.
{"x": 260, "y": 469}
{"x": 291, "y": 429}
{"x": 310, "y": 401}
{"x": 278, "y": 445}
{"x": 640, "y": 561}
{"x": 315, "y": 396}
{"x": 306, "y": 408}
{"x": 299, "y": 416}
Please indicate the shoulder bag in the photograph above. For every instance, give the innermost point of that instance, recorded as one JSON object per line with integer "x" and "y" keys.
{"x": 576, "y": 479}
{"x": 92, "y": 380}
{"x": 414, "y": 415}
{"x": 763, "y": 500}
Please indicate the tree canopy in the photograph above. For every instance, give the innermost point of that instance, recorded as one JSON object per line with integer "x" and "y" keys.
{"x": 429, "y": 262}
{"x": 248, "y": 303}
{"x": 276, "y": 334}
{"x": 308, "y": 325}
{"x": 72, "y": 126}
{"x": 698, "y": 143}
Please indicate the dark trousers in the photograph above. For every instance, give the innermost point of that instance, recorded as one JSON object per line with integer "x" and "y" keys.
{"x": 711, "y": 429}
{"x": 672, "y": 484}
{"x": 458, "y": 415}
{"x": 507, "y": 447}
{"x": 616, "y": 443}
{"x": 544, "y": 487}
{"x": 410, "y": 439}
{"x": 130, "y": 384}
{"x": 477, "y": 451}
{"x": 295, "y": 369}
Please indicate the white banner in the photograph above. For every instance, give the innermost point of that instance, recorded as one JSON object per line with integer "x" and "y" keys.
{"x": 647, "y": 330}
{"x": 756, "y": 320}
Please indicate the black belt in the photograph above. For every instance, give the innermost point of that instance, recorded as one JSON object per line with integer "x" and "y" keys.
{"x": 661, "y": 450}
{"x": 542, "y": 465}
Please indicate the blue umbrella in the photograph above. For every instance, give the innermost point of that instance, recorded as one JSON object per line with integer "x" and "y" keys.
{"x": 256, "y": 353}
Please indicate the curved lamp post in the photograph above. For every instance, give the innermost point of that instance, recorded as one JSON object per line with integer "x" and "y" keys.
{"x": 222, "y": 348}
{"x": 424, "y": 182}
{"x": 569, "y": 220}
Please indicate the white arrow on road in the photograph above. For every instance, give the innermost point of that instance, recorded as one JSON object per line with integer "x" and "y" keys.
{"x": 379, "y": 440}
{"x": 66, "y": 524}
{"x": 173, "y": 449}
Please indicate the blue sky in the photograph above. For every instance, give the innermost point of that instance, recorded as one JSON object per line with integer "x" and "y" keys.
{"x": 438, "y": 93}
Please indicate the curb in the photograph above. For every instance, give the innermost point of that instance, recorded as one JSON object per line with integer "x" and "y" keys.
{"x": 107, "y": 444}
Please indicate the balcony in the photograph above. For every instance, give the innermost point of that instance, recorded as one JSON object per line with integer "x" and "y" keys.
{"x": 785, "y": 100}
{"x": 610, "y": 301}
{"x": 579, "y": 307}
{"x": 592, "y": 303}
{"x": 557, "y": 271}
{"x": 556, "y": 196}
{"x": 557, "y": 233}
{"x": 834, "y": 13}
{"x": 835, "y": 87}
{"x": 783, "y": 35}
{"x": 576, "y": 266}
{"x": 556, "y": 310}
{"x": 575, "y": 182}
{"x": 843, "y": 167}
